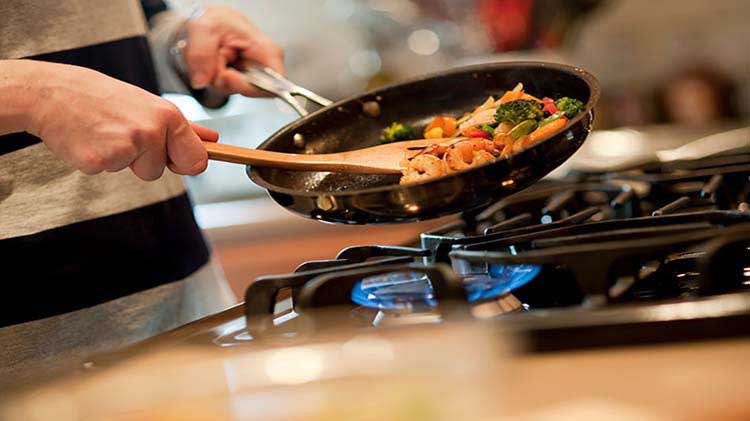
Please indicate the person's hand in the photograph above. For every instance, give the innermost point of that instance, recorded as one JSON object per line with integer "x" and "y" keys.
{"x": 221, "y": 37}
{"x": 97, "y": 123}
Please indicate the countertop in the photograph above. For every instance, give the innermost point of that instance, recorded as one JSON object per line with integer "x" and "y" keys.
{"x": 407, "y": 373}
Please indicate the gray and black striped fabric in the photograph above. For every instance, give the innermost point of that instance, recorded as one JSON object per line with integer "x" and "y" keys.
{"x": 69, "y": 241}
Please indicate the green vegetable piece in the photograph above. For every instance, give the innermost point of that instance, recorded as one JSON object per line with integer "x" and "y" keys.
{"x": 569, "y": 106}
{"x": 487, "y": 129}
{"x": 550, "y": 119}
{"x": 517, "y": 111}
{"x": 396, "y": 132}
{"x": 522, "y": 129}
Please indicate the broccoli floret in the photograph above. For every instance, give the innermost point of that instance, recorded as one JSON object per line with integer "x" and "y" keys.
{"x": 569, "y": 106}
{"x": 396, "y": 132}
{"x": 518, "y": 111}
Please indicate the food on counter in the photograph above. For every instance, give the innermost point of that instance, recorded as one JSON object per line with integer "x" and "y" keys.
{"x": 494, "y": 129}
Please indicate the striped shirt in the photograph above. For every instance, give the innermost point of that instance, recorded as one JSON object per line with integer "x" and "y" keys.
{"x": 71, "y": 242}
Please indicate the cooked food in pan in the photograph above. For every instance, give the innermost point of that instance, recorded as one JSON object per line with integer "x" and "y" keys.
{"x": 494, "y": 129}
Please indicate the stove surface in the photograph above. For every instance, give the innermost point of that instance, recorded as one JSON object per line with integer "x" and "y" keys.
{"x": 658, "y": 251}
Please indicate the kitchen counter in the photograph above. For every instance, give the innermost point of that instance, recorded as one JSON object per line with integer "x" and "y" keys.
{"x": 175, "y": 378}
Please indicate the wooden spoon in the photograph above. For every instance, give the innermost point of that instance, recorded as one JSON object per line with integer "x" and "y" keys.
{"x": 380, "y": 159}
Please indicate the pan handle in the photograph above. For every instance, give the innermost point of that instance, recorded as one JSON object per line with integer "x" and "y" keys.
{"x": 261, "y": 77}
{"x": 272, "y": 82}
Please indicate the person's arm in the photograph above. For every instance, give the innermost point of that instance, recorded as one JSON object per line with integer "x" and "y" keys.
{"x": 18, "y": 96}
{"x": 97, "y": 123}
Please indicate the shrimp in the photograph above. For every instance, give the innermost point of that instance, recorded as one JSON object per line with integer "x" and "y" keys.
{"x": 520, "y": 143}
{"x": 436, "y": 149}
{"x": 508, "y": 148}
{"x": 423, "y": 167}
{"x": 459, "y": 156}
{"x": 500, "y": 140}
{"x": 464, "y": 154}
{"x": 483, "y": 144}
{"x": 482, "y": 157}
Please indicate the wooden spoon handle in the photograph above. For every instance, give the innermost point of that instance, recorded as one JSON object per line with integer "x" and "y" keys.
{"x": 303, "y": 162}
{"x": 247, "y": 156}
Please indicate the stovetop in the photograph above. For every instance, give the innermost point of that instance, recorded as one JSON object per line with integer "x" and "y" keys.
{"x": 652, "y": 253}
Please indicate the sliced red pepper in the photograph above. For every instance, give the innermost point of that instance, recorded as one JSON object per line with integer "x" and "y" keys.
{"x": 549, "y": 105}
{"x": 475, "y": 132}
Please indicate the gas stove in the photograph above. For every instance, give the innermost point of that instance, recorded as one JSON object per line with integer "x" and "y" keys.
{"x": 655, "y": 252}
{"x": 647, "y": 254}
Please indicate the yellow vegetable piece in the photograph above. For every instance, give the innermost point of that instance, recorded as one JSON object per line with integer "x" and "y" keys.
{"x": 434, "y": 133}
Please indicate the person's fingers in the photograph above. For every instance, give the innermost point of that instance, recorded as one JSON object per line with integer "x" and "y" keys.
{"x": 230, "y": 59}
{"x": 149, "y": 165}
{"x": 260, "y": 50}
{"x": 231, "y": 81}
{"x": 172, "y": 167}
{"x": 121, "y": 156}
{"x": 206, "y": 134}
{"x": 265, "y": 52}
{"x": 88, "y": 161}
{"x": 201, "y": 55}
{"x": 186, "y": 153}
{"x": 228, "y": 56}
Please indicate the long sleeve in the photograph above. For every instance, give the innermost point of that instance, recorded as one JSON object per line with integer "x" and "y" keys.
{"x": 153, "y": 7}
{"x": 163, "y": 26}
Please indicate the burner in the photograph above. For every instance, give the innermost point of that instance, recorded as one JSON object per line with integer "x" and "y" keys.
{"x": 599, "y": 265}
{"x": 578, "y": 256}
{"x": 399, "y": 291}
{"x": 502, "y": 279}
{"x": 411, "y": 291}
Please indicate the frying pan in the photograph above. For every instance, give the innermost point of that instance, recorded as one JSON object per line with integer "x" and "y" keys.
{"x": 351, "y": 124}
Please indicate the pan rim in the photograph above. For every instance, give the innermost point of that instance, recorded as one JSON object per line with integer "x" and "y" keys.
{"x": 591, "y": 81}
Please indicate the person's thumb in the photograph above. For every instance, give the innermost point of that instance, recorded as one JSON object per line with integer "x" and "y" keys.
{"x": 185, "y": 151}
{"x": 206, "y": 134}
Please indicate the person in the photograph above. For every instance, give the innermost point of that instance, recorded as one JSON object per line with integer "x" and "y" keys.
{"x": 98, "y": 242}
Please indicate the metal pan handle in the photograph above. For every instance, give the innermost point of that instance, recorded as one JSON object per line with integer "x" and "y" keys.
{"x": 268, "y": 80}
{"x": 259, "y": 76}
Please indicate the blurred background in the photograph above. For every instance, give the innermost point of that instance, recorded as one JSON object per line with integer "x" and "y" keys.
{"x": 671, "y": 71}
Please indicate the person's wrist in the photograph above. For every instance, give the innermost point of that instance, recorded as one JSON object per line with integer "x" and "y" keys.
{"x": 23, "y": 83}
{"x": 177, "y": 45}
{"x": 207, "y": 96}
{"x": 38, "y": 82}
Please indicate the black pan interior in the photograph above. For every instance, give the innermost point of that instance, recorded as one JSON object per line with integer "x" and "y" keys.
{"x": 345, "y": 126}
